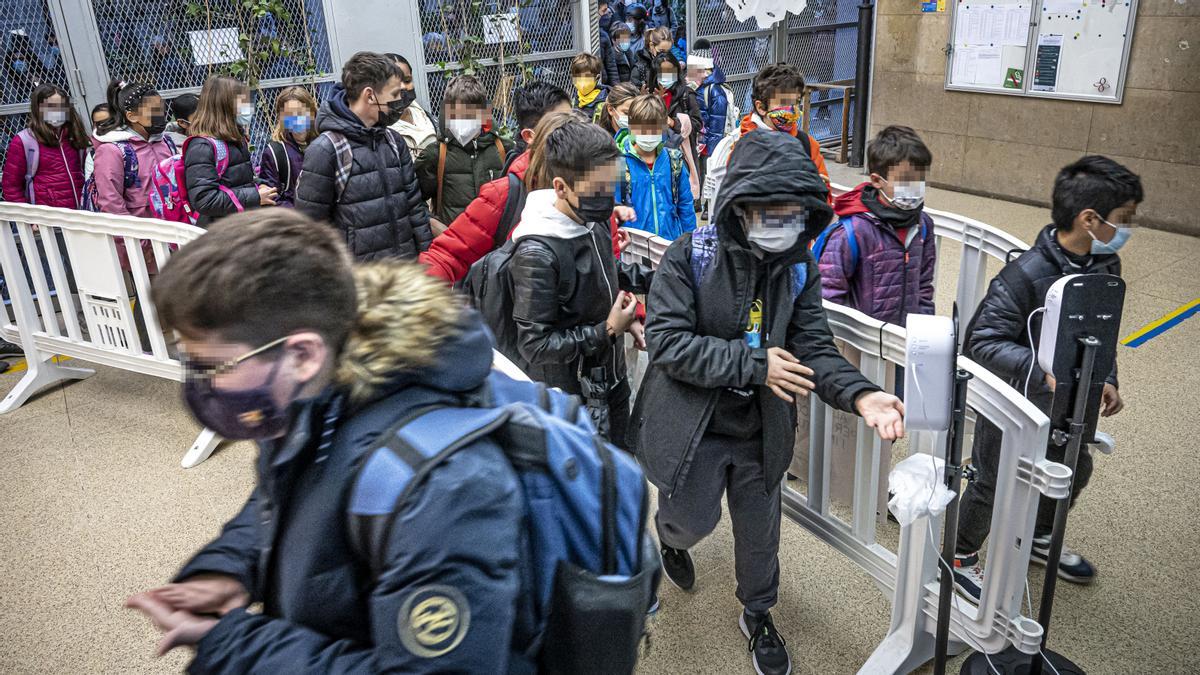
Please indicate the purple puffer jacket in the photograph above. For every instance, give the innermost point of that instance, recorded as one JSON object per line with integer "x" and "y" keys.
{"x": 890, "y": 281}
{"x": 275, "y": 175}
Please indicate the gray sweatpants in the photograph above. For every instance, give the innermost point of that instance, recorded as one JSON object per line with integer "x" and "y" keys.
{"x": 730, "y": 466}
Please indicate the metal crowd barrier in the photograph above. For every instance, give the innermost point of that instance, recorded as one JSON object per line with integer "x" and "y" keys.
{"x": 99, "y": 322}
{"x": 908, "y": 575}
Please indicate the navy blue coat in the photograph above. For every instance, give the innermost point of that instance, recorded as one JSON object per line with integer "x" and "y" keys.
{"x": 323, "y": 610}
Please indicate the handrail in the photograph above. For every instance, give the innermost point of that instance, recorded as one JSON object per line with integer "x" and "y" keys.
{"x": 909, "y": 575}
{"x": 79, "y": 249}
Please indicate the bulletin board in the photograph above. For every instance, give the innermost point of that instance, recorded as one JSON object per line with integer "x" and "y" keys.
{"x": 1070, "y": 49}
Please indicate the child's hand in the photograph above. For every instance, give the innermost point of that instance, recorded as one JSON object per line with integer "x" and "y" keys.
{"x": 624, "y": 214}
{"x": 622, "y": 314}
{"x": 785, "y": 373}
{"x": 1051, "y": 382}
{"x": 638, "y": 330}
{"x": 882, "y": 412}
{"x": 1112, "y": 401}
{"x": 267, "y": 195}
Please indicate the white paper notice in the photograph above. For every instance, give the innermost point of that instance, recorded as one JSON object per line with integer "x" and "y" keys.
{"x": 971, "y": 26}
{"x": 966, "y": 65}
{"x": 1062, "y": 6}
{"x": 989, "y": 69}
{"x": 1016, "y": 26}
{"x": 220, "y": 45}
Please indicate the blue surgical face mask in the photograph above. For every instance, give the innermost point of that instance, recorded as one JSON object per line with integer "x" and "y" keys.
{"x": 1113, "y": 245}
{"x": 667, "y": 81}
{"x": 297, "y": 124}
{"x": 625, "y": 45}
{"x": 245, "y": 114}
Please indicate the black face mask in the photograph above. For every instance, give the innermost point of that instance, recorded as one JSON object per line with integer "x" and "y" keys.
{"x": 596, "y": 209}
{"x": 392, "y": 110}
{"x": 158, "y": 124}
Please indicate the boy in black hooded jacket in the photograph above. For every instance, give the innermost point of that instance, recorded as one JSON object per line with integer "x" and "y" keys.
{"x": 735, "y": 329}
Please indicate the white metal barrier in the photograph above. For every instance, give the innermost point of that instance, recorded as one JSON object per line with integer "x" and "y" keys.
{"x": 908, "y": 576}
{"x": 46, "y": 325}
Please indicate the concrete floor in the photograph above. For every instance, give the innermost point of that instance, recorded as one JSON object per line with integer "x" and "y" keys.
{"x": 96, "y": 508}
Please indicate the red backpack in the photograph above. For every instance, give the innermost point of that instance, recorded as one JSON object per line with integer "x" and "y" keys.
{"x": 169, "y": 198}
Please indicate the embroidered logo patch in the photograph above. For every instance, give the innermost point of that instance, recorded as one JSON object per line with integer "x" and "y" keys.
{"x": 434, "y": 620}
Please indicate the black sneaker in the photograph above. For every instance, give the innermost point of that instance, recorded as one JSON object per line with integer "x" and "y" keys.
{"x": 677, "y": 565}
{"x": 968, "y": 576}
{"x": 768, "y": 650}
{"x": 1072, "y": 567}
{"x": 10, "y": 349}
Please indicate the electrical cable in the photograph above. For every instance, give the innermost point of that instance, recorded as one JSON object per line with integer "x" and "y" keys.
{"x": 954, "y": 596}
{"x": 1033, "y": 361}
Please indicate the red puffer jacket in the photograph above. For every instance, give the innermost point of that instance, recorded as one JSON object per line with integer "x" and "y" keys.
{"x": 59, "y": 178}
{"x": 470, "y": 236}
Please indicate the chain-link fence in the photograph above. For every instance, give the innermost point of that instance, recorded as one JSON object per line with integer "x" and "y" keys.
{"x": 176, "y": 44}
{"x": 822, "y": 40}
{"x": 502, "y": 42}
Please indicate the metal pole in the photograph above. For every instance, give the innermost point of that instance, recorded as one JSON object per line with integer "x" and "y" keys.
{"x": 954, "y": 442}
{"x": 1071, "y": 459}
{"x": 862, "y": 80}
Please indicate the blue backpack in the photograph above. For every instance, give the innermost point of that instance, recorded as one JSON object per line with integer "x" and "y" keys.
{"x": 704, "y": 249}
{"x": 591, "y": 570}
{"x": 846, "y": 223}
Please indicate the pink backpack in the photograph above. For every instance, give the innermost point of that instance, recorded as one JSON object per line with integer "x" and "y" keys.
{"x": 169, "y": 196}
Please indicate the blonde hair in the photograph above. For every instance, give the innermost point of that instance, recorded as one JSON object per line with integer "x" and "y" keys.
{"x": 303, "y": 97}
{"x": 657, "y": 35}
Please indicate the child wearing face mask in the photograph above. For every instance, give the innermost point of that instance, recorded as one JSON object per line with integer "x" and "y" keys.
{"x": 128, "y": 146}
{"x": 879, "y": 257}
{"x": 654, "y": 178}
{"x": 573, "y": 298}
{"x": 683, "y": 112}
{"x": 590, "y": 94}
{"x": 654, "y": 42}
{"x": 44, "y": 164}
{"x": 736, "y": 331}
{"x": 183, "y": 108}
{"x": 414, "y": 124}
{"x": 295, "y": 128}
{"x": 616, "y": 111}
{"x": 619, "y": 62}
{"x": 1093, "y": 206}
{"x": 219, "y": 172}
{"x": 469, "y": 154}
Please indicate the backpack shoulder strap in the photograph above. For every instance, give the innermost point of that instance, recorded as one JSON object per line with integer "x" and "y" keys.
{"x": 130, "y": 164}
{"x": 704, "y": 248}
{"x": 33, "y": 153}
{"x": 500, "y": 149}
{"x": 220, "y": 155}
{"x": 441, "y": 176}
{"x": 598, "y": 112}
{"x": 675, "y": 155}
{"x": 799, "y": 278}
{"x": 513, "y": 205}
{"x": 276, "y": 147}
{"x": 399, "y": 463}
{"x": 846, "y": 223}
{"x": 626, "y": 185}
{"x": 345, "y": 160}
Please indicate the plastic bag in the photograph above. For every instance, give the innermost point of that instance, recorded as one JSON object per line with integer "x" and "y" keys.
{"x": 917, "y": 488}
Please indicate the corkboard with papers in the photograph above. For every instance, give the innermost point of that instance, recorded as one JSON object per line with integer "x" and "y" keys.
{"x": 1073, "y": 49}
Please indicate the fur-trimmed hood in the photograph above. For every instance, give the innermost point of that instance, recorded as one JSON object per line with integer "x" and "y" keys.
{"x": 411, "y": 330}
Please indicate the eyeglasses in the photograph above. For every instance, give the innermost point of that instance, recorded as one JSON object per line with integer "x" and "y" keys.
{"x": 194, "y": 370}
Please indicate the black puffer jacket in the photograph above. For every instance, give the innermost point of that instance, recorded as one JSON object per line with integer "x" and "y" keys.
{"x": 998, "y": 336}
{"x": 565, "y": 279}
{"x": 696, "y": 334}
{"x": 381, "y": 212}
{"x": 467, "y": 169}
{"x": 642, "y": 71}
{"x": 200, "y": 176}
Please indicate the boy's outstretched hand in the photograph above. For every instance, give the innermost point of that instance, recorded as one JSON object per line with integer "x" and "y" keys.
{"x": 882, "y": 412}
{"x": 786, "y": 374}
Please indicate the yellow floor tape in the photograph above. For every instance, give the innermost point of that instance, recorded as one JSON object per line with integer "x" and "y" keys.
{"x": 21, "y": 365}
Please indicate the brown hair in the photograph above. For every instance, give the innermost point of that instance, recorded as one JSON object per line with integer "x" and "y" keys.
{"x": 616, "y": 97}
{"x": 301, "y": 95}
{"x": 258, "y": 276}
{"x": 566, "y": 145}
{"x": 367, "y": 69}
{"x": 465, "y": 90}
{"x": 586, "y": 64}
{"x": 46, "y": 134}
{"x": 216, "y": 116}
{"x": 648, "y": 109}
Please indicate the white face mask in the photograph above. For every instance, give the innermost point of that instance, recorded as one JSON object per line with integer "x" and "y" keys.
{"x": 667, "y": 81}
{"x": 623, "y": 121}
{"x": 464, "y": 131}
{"x": 55, "y": 118}
{"x": 245, "y": 114}
{"x": 909, "y": 196}
{"x": 773, "y": 239}
{"x": 647, "y": 142}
